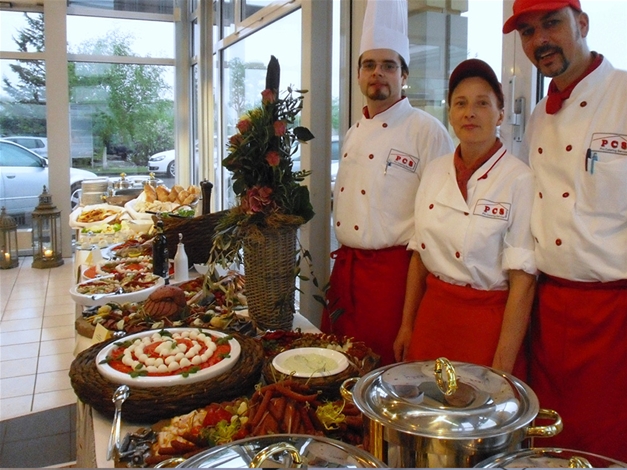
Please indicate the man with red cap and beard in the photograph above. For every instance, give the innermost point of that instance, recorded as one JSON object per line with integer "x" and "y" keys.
{"x": 576, "y": 142}
{"x": 381, "y": 164}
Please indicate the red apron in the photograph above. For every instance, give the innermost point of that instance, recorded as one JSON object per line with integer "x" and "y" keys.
{"x": 369, "y": 285}
{"x": 578, "y": 363}
{"x": 457, "y": 322}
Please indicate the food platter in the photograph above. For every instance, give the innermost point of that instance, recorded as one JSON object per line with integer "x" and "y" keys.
{"x": 310, "y": 362}
{"x": 125, "y": 295}
{"x": 153, "y": 344}
{"x": 94, "y": 215}
{"x": 122, "y": 266}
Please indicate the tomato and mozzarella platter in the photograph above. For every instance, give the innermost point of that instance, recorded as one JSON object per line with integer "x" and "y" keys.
{"x": 167, "y": 354}
{"x": 172, "y": 356}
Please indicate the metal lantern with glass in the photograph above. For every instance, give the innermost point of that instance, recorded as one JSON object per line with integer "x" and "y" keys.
{"x": 8, "y": 241}
{"x": 46, "y": 233}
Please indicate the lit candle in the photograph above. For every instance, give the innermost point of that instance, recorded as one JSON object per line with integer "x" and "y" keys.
{"x": 7, "y": 257}
{"x": 48, "y": 253}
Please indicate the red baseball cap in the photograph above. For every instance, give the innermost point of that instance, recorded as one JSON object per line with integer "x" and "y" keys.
{"x": 475, "y": 68}
{"x": 525, "y": 6}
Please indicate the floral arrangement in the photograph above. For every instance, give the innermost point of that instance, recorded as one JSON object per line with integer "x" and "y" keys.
{"x": 269, "y": 192}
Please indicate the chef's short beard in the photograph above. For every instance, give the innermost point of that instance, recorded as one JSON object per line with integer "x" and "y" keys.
{"x": 379, "y": 95}
{"x": 540, "y": 51}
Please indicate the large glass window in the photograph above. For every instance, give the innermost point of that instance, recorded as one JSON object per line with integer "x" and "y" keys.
{"x": 441, "y": 39}
{"x": 121, "y": 79}
{"x": 135, "y": 38}
{"x": 120, "y": 114}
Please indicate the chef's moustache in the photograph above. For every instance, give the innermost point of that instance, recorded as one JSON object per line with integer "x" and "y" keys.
{"x": 540, "y": 51}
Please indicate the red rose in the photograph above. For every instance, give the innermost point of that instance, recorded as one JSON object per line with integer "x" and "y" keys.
{"x": 235, "y": 140}
{"x": 280, "y": 128}
{"x": 267, "y": 96}
{"x": 244, "y": 125}
{"x": 256, "y": 199}
{"x": 273, "y": 158}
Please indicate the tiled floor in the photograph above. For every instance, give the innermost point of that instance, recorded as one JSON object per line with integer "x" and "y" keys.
{"x": 36, "y": 350}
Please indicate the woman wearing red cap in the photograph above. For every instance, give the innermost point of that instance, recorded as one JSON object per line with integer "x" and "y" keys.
{"x": 472, "y": 273}
{"x": 577, "y": 149}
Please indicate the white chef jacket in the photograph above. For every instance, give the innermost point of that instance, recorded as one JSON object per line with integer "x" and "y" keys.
{"x": 380, "y": 168}
{"x": 476, "y": 242}
{"x": 579, "y": 159}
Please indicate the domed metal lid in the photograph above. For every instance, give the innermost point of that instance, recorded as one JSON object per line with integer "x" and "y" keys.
{"x": 443, "y": 399}
{"x": 286, "y": 451}
{"x": 550, "y": 458}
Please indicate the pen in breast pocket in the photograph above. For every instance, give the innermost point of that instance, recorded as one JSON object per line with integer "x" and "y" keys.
{"x": 588, "y": 154}
{"x": 594, "y": 158}
{"x": 385, "y": 170}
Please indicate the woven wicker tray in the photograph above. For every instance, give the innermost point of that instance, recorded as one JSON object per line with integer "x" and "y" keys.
{"x": 329, "y": 386}
{"x": 148, "y": 405}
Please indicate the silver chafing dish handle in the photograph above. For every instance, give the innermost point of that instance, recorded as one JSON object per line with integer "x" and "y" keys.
{"x": 279, "y": 447}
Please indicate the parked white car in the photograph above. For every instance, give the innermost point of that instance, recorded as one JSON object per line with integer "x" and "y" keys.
{"x": 39, "y": 145}
{"x": 23, "y": 175}
{"x": 163, "y": 163}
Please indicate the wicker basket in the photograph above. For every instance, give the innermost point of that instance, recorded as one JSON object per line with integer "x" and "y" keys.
{"x": 269, "y": 263}
{"x": 149, "y": 405}
{"x": 361, "y": 359}
{"x": 197, "y": 235}
{"x": 328, "y": 386}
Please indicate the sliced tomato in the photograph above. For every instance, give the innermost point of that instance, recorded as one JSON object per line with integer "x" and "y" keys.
{"x": 149, "y": 350}
{"x": 215, "y": 414}
{"x": 186, "y": 341}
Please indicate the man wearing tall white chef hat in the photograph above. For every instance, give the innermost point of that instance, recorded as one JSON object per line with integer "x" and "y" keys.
{"x": 381, "y": 163}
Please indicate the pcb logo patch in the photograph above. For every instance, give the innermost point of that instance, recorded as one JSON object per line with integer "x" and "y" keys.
{"x": 403, "y": 160}
{"x": 492, "y": 210}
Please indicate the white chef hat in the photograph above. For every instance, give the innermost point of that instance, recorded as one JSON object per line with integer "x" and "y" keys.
{"x": 385, "y": 27}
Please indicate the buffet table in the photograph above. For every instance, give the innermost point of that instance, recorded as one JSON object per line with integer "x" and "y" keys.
{"x": 93, "y": 429}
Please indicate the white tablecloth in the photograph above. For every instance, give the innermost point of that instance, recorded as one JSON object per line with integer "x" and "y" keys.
{"x": 93, "y": 429}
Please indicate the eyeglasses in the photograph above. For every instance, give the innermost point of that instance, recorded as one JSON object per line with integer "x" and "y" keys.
{"x": 387, "y": 67}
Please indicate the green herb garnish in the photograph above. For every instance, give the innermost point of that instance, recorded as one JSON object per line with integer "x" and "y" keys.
{"x": 224, "y": 340}
{"x": 191, "y": 370}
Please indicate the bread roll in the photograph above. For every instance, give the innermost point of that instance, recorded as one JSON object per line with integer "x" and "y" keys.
{"x": 174, "y": 192}
{"x": 189, "y": 199}
{"x": 151, "y": 194}
{"x": 182, "y": 196}
{"x": 162, "y": 193}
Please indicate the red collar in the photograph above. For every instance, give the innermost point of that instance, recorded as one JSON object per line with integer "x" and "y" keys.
{"x": 463, "y": 173}
{"x": 367, "y": 114}
{"x": 556, "y": 97}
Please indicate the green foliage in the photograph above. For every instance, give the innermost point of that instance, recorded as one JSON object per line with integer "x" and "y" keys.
{"x": 260, "y": 157}
{"x": 24, "y": 111}
{"x": 127, "y": 99}
{"x": 269, "y": 192}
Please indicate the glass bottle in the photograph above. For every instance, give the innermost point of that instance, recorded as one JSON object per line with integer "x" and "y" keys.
{"x": 160, "y": 255}
{"x": 181, "y": 266}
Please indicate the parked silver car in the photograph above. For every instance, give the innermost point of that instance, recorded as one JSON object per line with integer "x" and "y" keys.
{"x": 39, "y": 145}
{"x": 23, "y": 175}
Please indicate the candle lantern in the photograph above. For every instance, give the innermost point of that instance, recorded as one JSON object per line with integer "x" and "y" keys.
{"x": 46, "y": 233}
{"x": 8, "y": 241}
